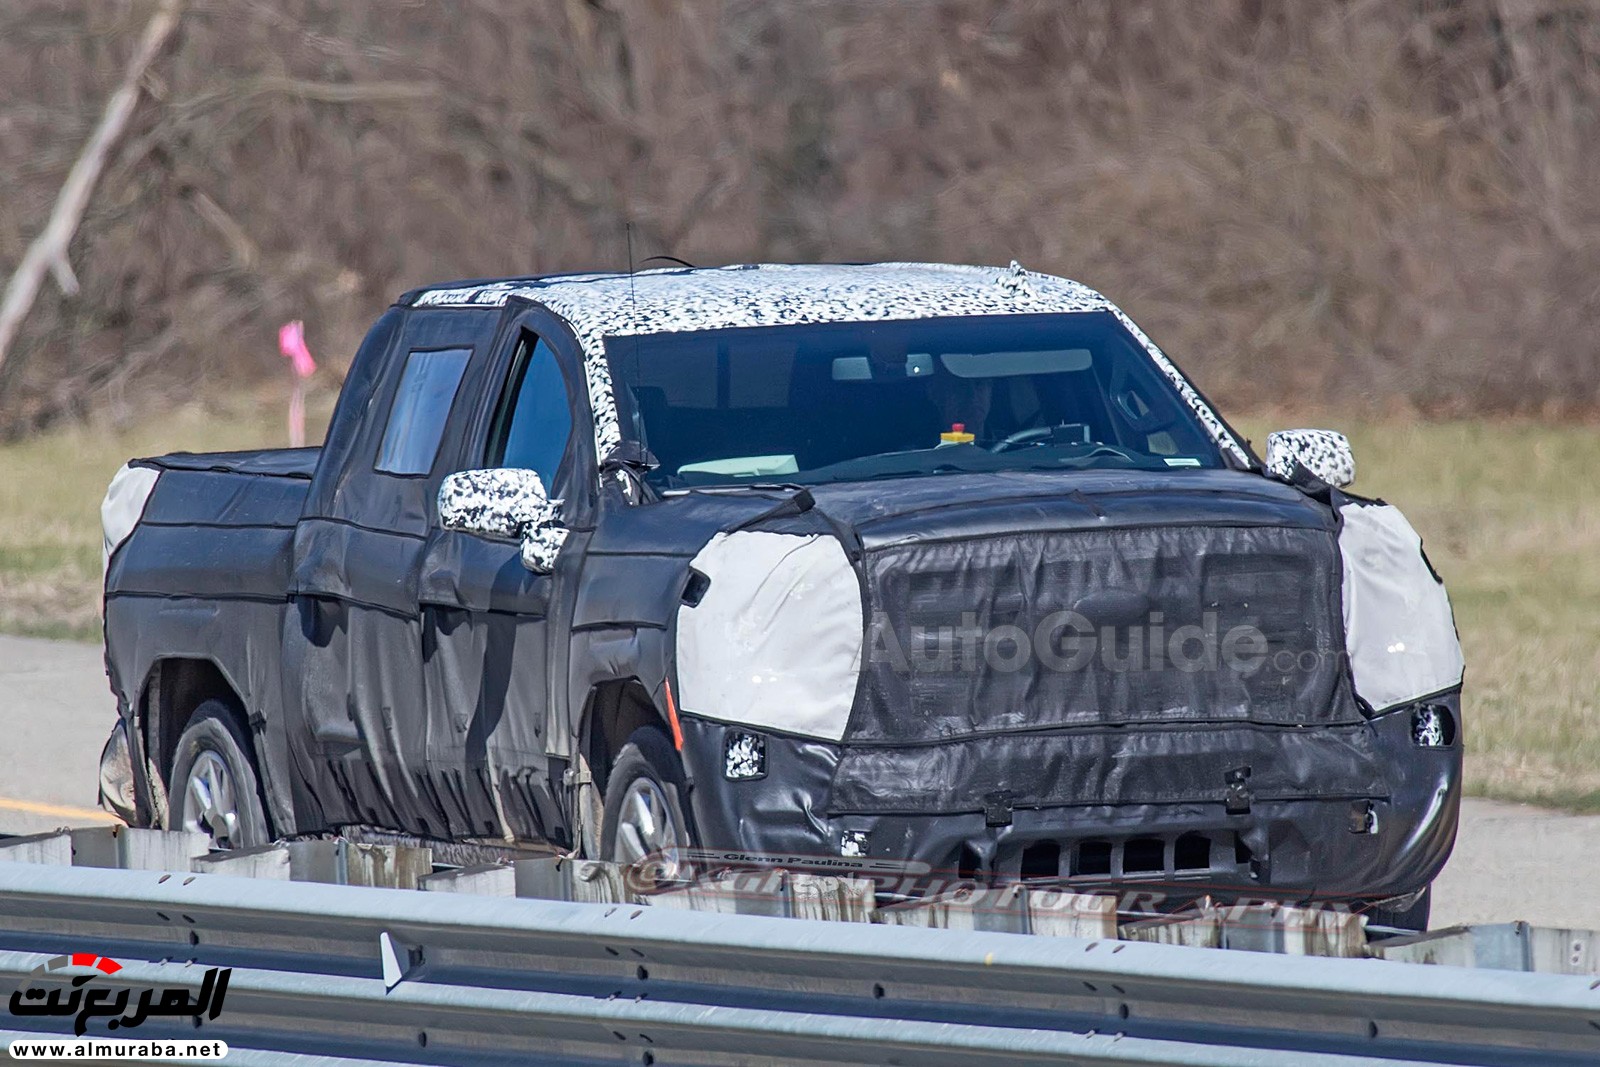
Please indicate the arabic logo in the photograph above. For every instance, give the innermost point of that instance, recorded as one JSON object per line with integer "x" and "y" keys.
{"x": 84, "y": 1002}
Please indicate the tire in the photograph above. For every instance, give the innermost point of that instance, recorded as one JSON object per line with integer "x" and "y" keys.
{"x": 1413, "y": 918}
{"x": 214, "y": 787}
{"x": 646, "y": 787}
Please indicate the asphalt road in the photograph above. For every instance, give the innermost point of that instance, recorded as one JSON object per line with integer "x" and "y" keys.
{"x": 55, "y": 712}
{"x": 1511, "y": 861}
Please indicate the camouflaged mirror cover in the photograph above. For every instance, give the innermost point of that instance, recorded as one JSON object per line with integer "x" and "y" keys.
{"x": 1325, "y": 453}
{"x": 505, "y": 502}
{"x": 499, "y": 502}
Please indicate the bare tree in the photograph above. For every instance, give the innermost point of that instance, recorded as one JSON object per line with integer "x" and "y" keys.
{"x": 49, "y": 251}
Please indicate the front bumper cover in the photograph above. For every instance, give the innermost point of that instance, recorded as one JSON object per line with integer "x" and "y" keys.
{"x": 1388, "y": 842}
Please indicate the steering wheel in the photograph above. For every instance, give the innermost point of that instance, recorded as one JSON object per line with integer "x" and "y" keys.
{"x": 1037, "y": 433}
{"x": 1033, "y": 433}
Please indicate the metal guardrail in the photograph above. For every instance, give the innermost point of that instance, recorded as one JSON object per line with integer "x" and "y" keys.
{"x": 379, "y": 975}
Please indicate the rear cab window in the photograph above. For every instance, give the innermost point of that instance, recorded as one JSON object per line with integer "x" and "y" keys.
{"x": 421, "y": 405}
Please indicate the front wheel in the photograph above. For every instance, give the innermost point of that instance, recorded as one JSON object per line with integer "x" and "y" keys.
{"x": 644, "y": 825}
{"x": 214, "y": 788}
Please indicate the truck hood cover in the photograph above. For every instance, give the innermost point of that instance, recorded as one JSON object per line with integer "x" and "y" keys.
{"x": 972, "y": 505}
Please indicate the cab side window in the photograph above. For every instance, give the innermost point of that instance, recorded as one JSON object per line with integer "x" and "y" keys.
{"x": 419, "y": 410}
{"x": 534, "y": 422}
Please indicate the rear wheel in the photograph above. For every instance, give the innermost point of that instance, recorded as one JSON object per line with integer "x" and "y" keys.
{"x": 214, "y": 787}
{"x": 644, "y": 825}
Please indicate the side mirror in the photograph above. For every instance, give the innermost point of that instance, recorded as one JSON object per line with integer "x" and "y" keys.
{"x": 1324, "y": 454}
{"x": 504, "y": 502}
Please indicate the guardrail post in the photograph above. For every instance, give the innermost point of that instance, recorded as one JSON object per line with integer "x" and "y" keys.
{"x": 1200, "y": 930}
{"x": 342, "y": 862}
{"x": 53, "y": 848}
{"x": 263, "y": 861}
{"x": 1322, "y": 932}
{"x": 487, "y": 879}
{"x": 1258, "y": 928}
{"x": 1001, "y": 909}
{"x": 580, "y": 881}
{"x": 822, "y": 896}
{"x": 1062, "y": 913}
{"x": 737, "y": 893}
{"x": 136, "y": 849}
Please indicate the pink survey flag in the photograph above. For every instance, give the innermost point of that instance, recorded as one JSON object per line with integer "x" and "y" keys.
{"x": 292, "y": 343}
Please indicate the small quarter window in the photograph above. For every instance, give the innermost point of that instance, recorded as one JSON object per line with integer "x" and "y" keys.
{"x": 421, "y": 406}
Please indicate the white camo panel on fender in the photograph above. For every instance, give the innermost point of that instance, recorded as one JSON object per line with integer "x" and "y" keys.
{"x": 776, "y": 640}
{"x": 1399, "y": 630}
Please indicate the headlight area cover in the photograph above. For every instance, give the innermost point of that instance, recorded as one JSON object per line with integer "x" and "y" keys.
{"x": 1399, "y": 631}
{"x": 775, "y": 641}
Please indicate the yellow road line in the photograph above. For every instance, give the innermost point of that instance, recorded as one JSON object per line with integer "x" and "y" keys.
{"x": 57, "y": 811}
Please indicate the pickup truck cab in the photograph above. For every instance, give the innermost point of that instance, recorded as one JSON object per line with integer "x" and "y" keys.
{"x": 942, "y": 567}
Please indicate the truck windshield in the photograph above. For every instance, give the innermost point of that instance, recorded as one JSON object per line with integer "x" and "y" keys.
{"x": 857, "y": 401}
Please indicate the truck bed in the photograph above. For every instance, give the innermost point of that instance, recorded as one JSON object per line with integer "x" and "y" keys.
{"x": 217, "y": 525}
{"x": 271, "y": 462}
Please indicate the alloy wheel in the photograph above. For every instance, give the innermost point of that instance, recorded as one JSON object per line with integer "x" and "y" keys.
{"x": 648, "y": 833}
{"x": 210, "y": 805}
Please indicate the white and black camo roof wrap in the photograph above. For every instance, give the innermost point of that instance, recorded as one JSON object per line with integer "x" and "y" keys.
{"x": 677, "y": 300}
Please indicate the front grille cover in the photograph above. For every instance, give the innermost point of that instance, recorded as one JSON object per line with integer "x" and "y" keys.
{"x": 1138, "y": 587}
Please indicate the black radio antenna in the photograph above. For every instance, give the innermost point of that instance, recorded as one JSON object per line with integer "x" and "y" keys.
{"x": 633, "y": 299}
